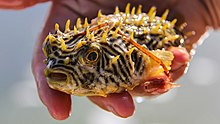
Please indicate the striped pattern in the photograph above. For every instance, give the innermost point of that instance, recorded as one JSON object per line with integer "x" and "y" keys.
{"x": 117, "y": 64}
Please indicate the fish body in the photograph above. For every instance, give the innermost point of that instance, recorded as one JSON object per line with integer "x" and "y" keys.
{"x": 97, "y": 59}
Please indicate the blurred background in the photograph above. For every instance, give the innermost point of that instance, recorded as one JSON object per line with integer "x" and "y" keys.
{"x": 195, "y": 102}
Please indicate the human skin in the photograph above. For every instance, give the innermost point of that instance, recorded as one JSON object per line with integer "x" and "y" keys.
{"x": 200, "y": 15}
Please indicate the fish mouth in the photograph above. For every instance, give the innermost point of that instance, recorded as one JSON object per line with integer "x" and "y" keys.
{"x": 54, "y": 75}
{"x": 56, "y": 78}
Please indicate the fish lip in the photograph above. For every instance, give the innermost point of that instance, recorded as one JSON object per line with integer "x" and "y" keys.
{"x": 56, "y": 76}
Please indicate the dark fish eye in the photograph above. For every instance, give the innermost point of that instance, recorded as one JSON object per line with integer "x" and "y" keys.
{"x": 92, "y": 56}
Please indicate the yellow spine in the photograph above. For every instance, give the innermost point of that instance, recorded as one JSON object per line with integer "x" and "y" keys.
{"x": 78, "y": 23}
{"x": 173, "y": 22}
{"x": 127, "y": 9}
{"x": 164, "y": 16}
{"x": 75, "y": 30}
{"x": 139, "y": 9}
{"x": 113, "y": 60}
{"x": 117, "y": 11}
{"x": 152, "y": 16}
{"x": 85, "y": 23}
{"x": 100, "y": 13}
{"x": 67, "y": 28}
{"x": 133, "y": 11}
{"x": 151, "y": 11}
{"x": 57, "y": 27}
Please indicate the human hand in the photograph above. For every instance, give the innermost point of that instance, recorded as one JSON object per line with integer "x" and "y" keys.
{"x": 194, "y": 13}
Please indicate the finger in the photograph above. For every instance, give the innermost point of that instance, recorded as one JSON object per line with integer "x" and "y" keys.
{"x": 181, "y": 57}
{"x": 58, "y": 103}
{"x": 120, "y": 104}
{"x": 19, "y": 4}
{"x": 180, "y": 61}
{"x": 176, "y": 74}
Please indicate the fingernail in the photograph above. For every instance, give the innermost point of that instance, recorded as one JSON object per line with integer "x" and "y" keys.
{"x": 58, "y": 116}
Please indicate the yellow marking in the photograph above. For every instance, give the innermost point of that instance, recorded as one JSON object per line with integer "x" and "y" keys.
{"x": 141, "y": 21}
{"x": 139, "y": 9}
{"x": 115, "y": 34}
{"x": 67, "y": 29}
{"x": 127, "y": 9}
{"x": 44, "y": 43}
{"x": 164, "y": 16}
{"x": 104, "y": 35}
{"x": 51, "y": 38}
{"x": 66, "y": 60}
{"x": 165, "y": 40}
{"x": 87, "y": 32}
{"x": 117, "y": 11}
{"x": 78, "y": 23}
{"x": 145, "y": 31}
{"x": 63, "y": 45}
{"x": 80, "y": 44}
{"x": 151, "y": 11}
{"x": 119, "y": 23}
{"x": 130, "y": 51}
{"x": 46, "y": 72}
{"x": 176, "y": 36}
{"x": 155, "y": 30}
{"x": 91, "y": 36}
{"x": 132, "y": 35}
{"x": 75, "y": 30}
{"x": 113, "y": 60}
{"x": 99, "y": 23}
{"x": 133, "y": 11}
{"x": 165, "y": 27}
{"x": 47, "y": 37}
{"x": 100, "y": 13}
{"x": 160, "y": 44}
{"x": 173, "y": 22}
{"x": 170, "y": 38}
{"x": 85, "y": 23}
{"x": 57, "y": 27}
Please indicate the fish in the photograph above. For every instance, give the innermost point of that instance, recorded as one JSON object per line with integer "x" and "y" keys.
{"x": 111, "y": 54}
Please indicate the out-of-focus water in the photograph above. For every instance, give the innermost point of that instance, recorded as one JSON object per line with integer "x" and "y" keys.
{"x": 196, "y": 102}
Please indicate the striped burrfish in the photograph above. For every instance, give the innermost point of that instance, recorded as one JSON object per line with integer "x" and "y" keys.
{"x": 112, "y": 53}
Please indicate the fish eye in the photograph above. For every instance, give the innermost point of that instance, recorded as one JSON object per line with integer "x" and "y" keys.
{"x": 92, "y": 56}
